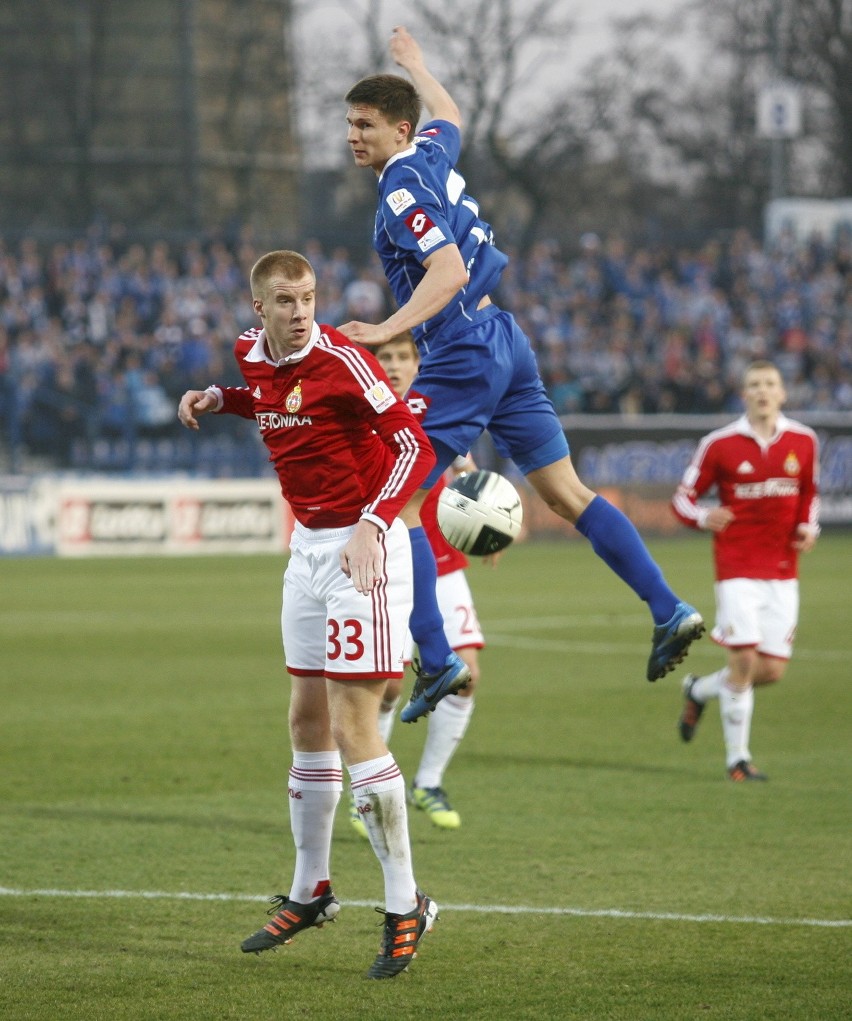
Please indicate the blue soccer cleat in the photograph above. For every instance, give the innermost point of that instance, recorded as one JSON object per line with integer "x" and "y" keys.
{"x": 429, "y": 689}
{"x": 671, "y": 641}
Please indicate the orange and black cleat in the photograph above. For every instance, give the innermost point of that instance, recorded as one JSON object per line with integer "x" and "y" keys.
{"x": 401, "y": 937}
{"x": 290, "y": 918}
{"x": 744, "y": 771}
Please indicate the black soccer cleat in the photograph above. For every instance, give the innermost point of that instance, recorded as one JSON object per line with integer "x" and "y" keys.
{"x": 692, "y": 710}
{"x": 401, "y": 936}
{"x": 290, "y": 918}
{"x": 743, "y": 772}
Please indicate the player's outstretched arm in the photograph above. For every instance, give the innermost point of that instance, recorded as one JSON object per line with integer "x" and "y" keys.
{"x": 406, "y": 51}
{"x": 193, "y": 404}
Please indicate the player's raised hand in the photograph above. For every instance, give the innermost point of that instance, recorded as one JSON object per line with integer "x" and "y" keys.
{"x": 404, "y": 48}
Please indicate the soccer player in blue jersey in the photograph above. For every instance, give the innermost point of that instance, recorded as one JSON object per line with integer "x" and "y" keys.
{"x": 477, "y": 368}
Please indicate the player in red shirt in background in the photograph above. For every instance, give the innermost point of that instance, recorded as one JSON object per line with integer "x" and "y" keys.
{"x": 449, "y": 720}
{"x": 349, "y": 454}
{"x": 765, "y": 468}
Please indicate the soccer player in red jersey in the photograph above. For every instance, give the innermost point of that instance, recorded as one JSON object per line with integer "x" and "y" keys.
{"x": 449, "y": 721}
{"x": 765, "y": 468}
{"x": 349, "y": 454}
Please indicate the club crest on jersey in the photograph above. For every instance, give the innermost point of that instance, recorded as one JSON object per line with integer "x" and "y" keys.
{"x": 400, "y": 200}
{"x": 380, "y": 396}
{"x": 294, "y": 399}
{"x": 791, "y": 464}
{"x": 427, "y": 234}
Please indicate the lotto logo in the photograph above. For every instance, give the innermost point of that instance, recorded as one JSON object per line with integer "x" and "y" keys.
{"x": 419, "y": 223}
{"x": 418, "y": 405}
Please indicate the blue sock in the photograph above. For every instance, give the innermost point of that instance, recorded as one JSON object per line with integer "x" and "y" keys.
{"x": 426, "y": 622}
{"x": 616, "y": 541}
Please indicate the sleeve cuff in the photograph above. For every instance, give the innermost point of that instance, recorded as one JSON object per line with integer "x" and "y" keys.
{"x": 383, "y": 525}
{"x": 217, "y": 393}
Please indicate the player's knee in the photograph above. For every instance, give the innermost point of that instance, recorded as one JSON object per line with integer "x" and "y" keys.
{"x": 771, "y": 672}
{"x": 308, "y": 731}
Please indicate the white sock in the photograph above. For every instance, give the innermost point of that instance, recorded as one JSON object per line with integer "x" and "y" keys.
{"x": 736, "y": 708}
{"x": 709, "y": 686}
{"x": 387, "y": 718}
{"x": 315, "y": 785}
{"x": 379, "y": 790}
{"x": 447, "y": 726}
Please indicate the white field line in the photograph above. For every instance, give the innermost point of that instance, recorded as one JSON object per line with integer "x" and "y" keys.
{"x": 519, "y": 633}
{"x": 480, "y": 909}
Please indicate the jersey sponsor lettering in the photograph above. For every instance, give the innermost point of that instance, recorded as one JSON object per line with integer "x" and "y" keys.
{"x": 769, "y": 487}
{"x": 269, "y": 420}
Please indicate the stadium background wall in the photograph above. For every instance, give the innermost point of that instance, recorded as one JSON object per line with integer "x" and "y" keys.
{"x": 635, "y": 463}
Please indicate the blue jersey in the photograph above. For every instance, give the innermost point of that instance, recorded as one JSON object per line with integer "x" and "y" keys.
{"x": 423, "y": 207}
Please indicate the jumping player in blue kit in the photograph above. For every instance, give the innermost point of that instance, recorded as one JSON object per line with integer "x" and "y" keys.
{"x": 477, "y": 369}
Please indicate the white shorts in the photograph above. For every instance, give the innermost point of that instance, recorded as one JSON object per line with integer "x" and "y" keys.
{"x": 757, "y": 613}
{"x": 455, "y": 602}
{"x": 328, "y": 627}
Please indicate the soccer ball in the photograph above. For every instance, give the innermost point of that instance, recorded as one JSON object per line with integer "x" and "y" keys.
{"x": 480, "y": 512}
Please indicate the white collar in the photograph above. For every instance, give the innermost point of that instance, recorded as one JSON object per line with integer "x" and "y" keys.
{"x": 258, "y": 351}
{"x": 398, "y": 156}
{"x": 745, "y": 427}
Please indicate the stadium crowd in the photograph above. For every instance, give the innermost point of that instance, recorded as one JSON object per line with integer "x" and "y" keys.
{"x": 99, "y": 336}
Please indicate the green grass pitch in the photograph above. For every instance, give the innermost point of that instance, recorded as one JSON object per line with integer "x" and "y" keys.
{"x": 603, "y": 870}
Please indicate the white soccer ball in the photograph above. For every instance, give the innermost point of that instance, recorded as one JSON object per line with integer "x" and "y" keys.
{"x": 480, "y": 512}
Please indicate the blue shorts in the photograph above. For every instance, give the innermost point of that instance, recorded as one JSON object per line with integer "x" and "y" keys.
{"x": 484, "y": 376}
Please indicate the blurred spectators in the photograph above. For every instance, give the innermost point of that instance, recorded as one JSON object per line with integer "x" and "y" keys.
{"x": 100, "y": 336}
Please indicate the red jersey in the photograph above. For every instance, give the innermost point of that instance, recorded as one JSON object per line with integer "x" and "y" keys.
{"x": 771, "y": 486}
{"x": 447, "y": 557}
{"x": 343, "y": 444}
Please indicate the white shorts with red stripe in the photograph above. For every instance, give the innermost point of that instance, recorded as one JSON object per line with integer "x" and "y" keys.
{"x": 328, "y": 627}
{"x": 759, "y": 613}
